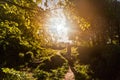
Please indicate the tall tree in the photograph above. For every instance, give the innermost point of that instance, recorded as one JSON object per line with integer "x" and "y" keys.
{"x": 18, "y": 31}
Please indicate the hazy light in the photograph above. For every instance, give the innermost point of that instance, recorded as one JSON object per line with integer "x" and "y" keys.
{"x": 34, "y": 0}
{"x": 58, "y": 28}
{"x": 49, "y": 4}
{"x": 56, "y": 22}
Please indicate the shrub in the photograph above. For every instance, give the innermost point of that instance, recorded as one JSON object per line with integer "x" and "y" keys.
{"x": 11, "y": 74}
{"x": 82, "y": 72}
{"x": 55, "y": 74}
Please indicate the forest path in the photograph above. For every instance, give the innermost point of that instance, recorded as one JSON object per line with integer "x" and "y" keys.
{"x": 69, "y": 75}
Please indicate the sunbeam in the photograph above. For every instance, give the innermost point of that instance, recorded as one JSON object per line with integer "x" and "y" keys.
{"x": 57, "y": 26}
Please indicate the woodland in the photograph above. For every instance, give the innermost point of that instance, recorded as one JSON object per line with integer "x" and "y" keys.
{"x": 42, "y": 39}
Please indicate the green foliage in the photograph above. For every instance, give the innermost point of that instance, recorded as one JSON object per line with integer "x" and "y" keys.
{"x": 24, "y": 42}
{"x": 82, "y": 72}
{"x": 52, "y": 68}
{"x": 51, "y": 62}
{"x": 59, "y": 73}
{"x": 17, "y": 33}
{"x": 11, "y": 74}
{"x": 55, "y": 74}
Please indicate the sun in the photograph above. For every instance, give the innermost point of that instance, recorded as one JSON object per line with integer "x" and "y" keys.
{"x": 56, "y": 22}
{"x": 58, "y": 28}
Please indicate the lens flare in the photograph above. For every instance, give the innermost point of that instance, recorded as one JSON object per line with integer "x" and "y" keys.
{"x": 56, "y": 23}
{"x": 58, "y": 28}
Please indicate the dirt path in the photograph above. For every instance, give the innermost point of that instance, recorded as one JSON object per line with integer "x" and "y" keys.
{"x": 69, "y": 75}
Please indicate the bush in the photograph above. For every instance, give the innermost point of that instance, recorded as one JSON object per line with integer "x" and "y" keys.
{"x": 53, "y": 69}
{"x": 55, "y": 74}
{"x": 53, "y": 63}
{"x": 11, "y": 74}
{"x": 82, "y": 72}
